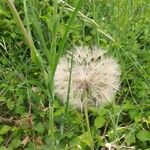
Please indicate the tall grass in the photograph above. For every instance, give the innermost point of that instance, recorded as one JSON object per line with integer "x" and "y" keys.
{"x": 121, "y": 27}
{"x": 52, "y": 57}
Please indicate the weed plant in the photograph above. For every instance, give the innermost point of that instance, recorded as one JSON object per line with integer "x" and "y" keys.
{"x": 34, "y": 36}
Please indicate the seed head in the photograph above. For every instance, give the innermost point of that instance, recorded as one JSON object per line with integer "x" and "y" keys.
{"x": 94, "y": 78}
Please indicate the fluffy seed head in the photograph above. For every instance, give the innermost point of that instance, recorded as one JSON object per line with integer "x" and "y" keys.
{"x": 94, "y": 79}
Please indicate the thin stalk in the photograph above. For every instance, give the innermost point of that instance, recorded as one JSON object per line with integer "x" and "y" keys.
{"x": 87, "y": 124}
{"x": 68, "y": 97}
{"x": 26, "y": 17}
{"x": 95, "y": 16}
{"x": 55, "y": 23}
{"x": 51, "y": 129}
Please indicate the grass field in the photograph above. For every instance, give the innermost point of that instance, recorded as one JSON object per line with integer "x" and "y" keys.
{"x": 34, "y": 36}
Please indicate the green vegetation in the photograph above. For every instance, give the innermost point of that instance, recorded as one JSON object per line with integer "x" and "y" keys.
{"x": 31, "y": 116}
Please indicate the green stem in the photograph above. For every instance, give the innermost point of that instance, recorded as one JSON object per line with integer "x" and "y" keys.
{"x": 88, "y": 125}
{"x": 51, "y": 119}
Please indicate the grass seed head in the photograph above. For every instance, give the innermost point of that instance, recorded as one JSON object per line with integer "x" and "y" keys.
{"x": 94, "y": 80}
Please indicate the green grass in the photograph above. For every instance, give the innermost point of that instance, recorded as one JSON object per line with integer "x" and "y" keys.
{"x": 31, "y": 116}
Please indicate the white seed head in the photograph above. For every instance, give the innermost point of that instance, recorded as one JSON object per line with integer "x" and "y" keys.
{"x": 94, "y": 78}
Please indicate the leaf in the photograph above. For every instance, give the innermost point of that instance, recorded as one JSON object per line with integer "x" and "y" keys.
{"x": 75, "y": 141}
{"x": 15, "y": 143}
{"x": 20, "y": 109}
{"x": 10, "y": 104}
{"x": 1, "y": 139}
{"x": 116, "y": 109}
{"x": 85, "y": 137}
{"x": 100, "y": 140}
{"x": 101, "y": 111}
{"x": 59, "y": 112}
{"x": 130, "y": 138}
{"x": 39, "y": 127}
{"x": 128, "y": 106}
{"x": 2, "y": 99}
{"x": 5, "y": 129}
{"x": 3, "y": 148}
{"x": 134, "y": 114}
{"x": 143, "y": 135}
{"x": 99, "y": 121}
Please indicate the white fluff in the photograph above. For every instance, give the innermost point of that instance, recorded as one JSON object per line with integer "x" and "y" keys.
{"x": 95, "y": 77}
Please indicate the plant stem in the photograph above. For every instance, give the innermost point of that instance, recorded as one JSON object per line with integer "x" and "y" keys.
{"x": 88, "y": 125}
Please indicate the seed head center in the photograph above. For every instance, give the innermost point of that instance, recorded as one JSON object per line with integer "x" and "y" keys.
{"x": 84, "y": 85}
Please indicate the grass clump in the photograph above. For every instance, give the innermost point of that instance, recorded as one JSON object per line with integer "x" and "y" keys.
{"x": 31, "y": 45}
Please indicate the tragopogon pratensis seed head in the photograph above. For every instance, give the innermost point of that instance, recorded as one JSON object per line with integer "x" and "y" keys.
{"x": 94, "y": 80}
